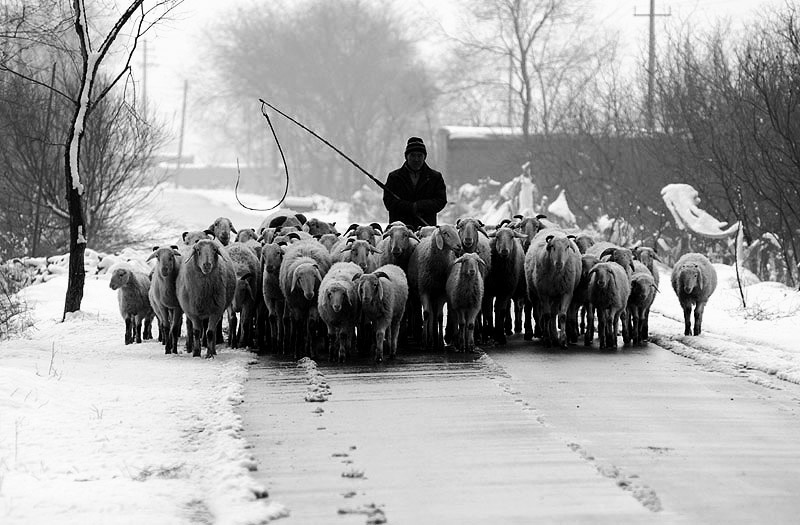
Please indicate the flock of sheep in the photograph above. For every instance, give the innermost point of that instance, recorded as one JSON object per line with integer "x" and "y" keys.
{"x": 292, "y": 279}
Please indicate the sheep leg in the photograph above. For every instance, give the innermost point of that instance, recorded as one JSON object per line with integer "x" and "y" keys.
{"x": 174, "y": 332}
{"x": 439, "y": 309}
{"x": 211, "y": 336}
{"x": 379, "y": 336}
{"x": 613, "y": 329}
{"x": 138, "y": 328}
{"x": 519, "y": 306}
{"x": 507, "y": 322}
{"x": 530, "y": 333}
{"x": 588, "y": 335}
{"x": 147, "y": 332}
{"x": 128, "y": 330}
{"x": 232, "y": 322}
{"x": 645, "y": 329}
{"x": 687, "y": 316}
{"x": 698, "y": 317}
{"x": 469, "y": 342}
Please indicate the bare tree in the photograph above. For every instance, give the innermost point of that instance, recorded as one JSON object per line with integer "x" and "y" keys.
{"x": 345, "y": 69}
{"x": 136, "y": 19}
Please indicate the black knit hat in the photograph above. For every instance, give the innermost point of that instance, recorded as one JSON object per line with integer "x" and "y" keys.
{"x": 416, "y": 144}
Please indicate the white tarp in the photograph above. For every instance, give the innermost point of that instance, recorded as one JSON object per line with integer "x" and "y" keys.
{"x": 682, "y": 201}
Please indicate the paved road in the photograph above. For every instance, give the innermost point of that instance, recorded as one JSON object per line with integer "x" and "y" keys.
{"x": 524, "y": 434}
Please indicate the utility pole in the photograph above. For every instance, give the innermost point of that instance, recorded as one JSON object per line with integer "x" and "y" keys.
{"x": 183, "y": 123}
{"x": 651, "y": 60}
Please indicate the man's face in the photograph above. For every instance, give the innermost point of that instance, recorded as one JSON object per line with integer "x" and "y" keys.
{"x": 415, "y": 160}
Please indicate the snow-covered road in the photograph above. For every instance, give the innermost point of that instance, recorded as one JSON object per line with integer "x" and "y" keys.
{"x": 526, "y": 434}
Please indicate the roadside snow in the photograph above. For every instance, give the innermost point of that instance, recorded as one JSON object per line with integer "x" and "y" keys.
{"x": 93, "y": 431}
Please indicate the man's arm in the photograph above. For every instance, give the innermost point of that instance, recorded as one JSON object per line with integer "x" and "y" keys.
{"x": 436, "y": 200}
{"x": 393, "y": 203}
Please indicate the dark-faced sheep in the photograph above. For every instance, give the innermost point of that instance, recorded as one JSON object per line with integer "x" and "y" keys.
{"x": 164, "y": 296}
{"x": 206, "y": 284}
{"x": 694, "y": 279}
{"x": 316, "y": 227}
{"x": 427, "y": 275}
{"x": 366, "y": 232}
{"x": 134, "y": 302}
{"x": 502, "y": 282}
{"x": 246, "y": 297}
{"x": 382, "y": 297}
{"x": 643, "y": 292}
{"x": 609, "y": 288}
{"x": 648, "y": 256}
{"x": 580, "y": 309}
{"x": 552, "y": 271}
{"x": 271, "y": 260}
{"x": 465, "y": 289}
{"x": 337, "y": 303}
{"x": 357, "y": 251}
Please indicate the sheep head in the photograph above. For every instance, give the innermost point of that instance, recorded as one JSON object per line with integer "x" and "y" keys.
{"x": 504, "y": 239}
{"x": 646, "y": 256}
{"x": 205, "y": 255}
{"x": 308, "y": 277}
{"x": 470, "y": 264}
{"x": 246, "y": 234}
{"x": 370, "y": 288}
{"x": 558, "y": 250}
{"x": 338, "y": 296}
{"x": 399, "y": 238}
{"x": 690, "y": 277}
{"x": 120, "y": 278}
{"x": 189, "y": 238}
{"x": 621, "y": 256}
{"x": 468, "y": 230}
{"x": 221, "y": 229}
{"x": 271, "y": 258}
{"x": 167, "y": 259}
{"x": 446, "y": 235}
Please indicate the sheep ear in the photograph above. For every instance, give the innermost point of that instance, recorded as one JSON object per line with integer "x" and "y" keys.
{"x": 317, "y": 273}
{"x": 246, "y": 276}
{"x": 549, "y": 238}
{"x": 607, "y": 251}
{"x": 519, "y": 235}
{"x": 438, "y": 239}
{"x": 518, "y": 216}
{"x": 355, "y": 277}
{"x": 541, "y": 216}
{"x": 211, "y": 233}
{"x": 482, "y": 229}
{"x": 376, "y": 226}
{"x": 373, "y": 249}
{"x": 300, "y": 217}
{"x": 184, "y": 236}
{"x": 481, "y": 262}
{"x": 294, "y": 279}
{"x": 351, "y": 228}
{"x": 570, "y": 236}
{"x": 380, "y": 274}
{"x": 173, "y": 246}
{"x": 155, "y": 248}
{"x": 412, "y": 236}
{"x": 152, "y": 256}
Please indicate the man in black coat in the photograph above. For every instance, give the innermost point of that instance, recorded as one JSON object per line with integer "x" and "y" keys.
{"x": 415, "y": 193}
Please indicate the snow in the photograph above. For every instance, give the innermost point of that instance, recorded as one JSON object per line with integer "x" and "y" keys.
{"x": 682, "y": 201}
{"x": 94, "y": 431}
{"x": 560, "y": 208}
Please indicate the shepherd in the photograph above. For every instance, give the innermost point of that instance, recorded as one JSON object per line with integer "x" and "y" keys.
{"x": 414, "y": 193}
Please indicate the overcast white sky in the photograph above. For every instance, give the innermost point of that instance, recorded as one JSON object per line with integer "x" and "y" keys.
{"x": 174, "y": 52}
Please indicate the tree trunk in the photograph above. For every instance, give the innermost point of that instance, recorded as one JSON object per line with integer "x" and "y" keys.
{"x": 77, "y": 231}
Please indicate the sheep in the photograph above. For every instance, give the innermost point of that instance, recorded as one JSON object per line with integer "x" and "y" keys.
{"x": 609, "y": 288}
{"x": 505, "y": 273}
{"x": 271, "y": 260}
{"x": 382, "y": 297}
{"x": 281, "y": 222}
{"x": 357, "y": 251}
{"x": 221, "y": 229}
{"x": 580, "y": 301}
{"x": 464, "y": 297}
{"x": 338, "y": 306}
{"x": 474, "y": 239}
{"x": 191, "y": 237}
{"x": 648, "y": 256}
{"x": 246, "y": 296}
{"x": 304, "y": 265}
{"x": 132, "y": 289}
{"x": 584, "y": 241}
{"x": 246, "y": 234}
{"x": 163, "y": 295}
{"x": 427, "y": 275}
{"x": 397, "y": 245}
{"x": 642, "y": 294}
{"x": 694, "y": 279}
{"x": 368, "y": 232}
{"x": 328, "y": 240}
{"x": 205, "y": 286}
{"x": 552, "y": 271}
{"x": 523, "y": 307}
{"x": 316, "y": 227}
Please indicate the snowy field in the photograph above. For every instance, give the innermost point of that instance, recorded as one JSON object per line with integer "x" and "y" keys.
{"x": 93, "y": 431}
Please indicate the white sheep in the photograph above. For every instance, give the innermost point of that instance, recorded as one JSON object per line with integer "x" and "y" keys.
{"x": 397, "y": 245}
{"x": 305, "y": 263}
{"x": 504, "y": 276}
{"x": 356, "y": 251}
{"x": 206, "y": 284}
{"x": 475, "y": 239}
{"x": 643, "y": 292}
{"x": 367, "y": 232}
{"x": 382, "y": 297}
{"x": 552, "y": 271}
{"x": 609, "y": 288}
{"x": 523, "y": 307}
{"x": 317, "y": 227}
{"x": 694, "y": 279}
{"x": 427, "y": 275}
{"x": 246, "y": 296}
{"x": 465, "y": 289}
{"x": 134, "y": 302}
{"x": 164, "y": 296}
{"x": 337, "y": 304}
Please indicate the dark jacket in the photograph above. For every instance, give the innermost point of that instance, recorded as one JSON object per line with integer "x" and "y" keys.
{"x": 414, "y": 204}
